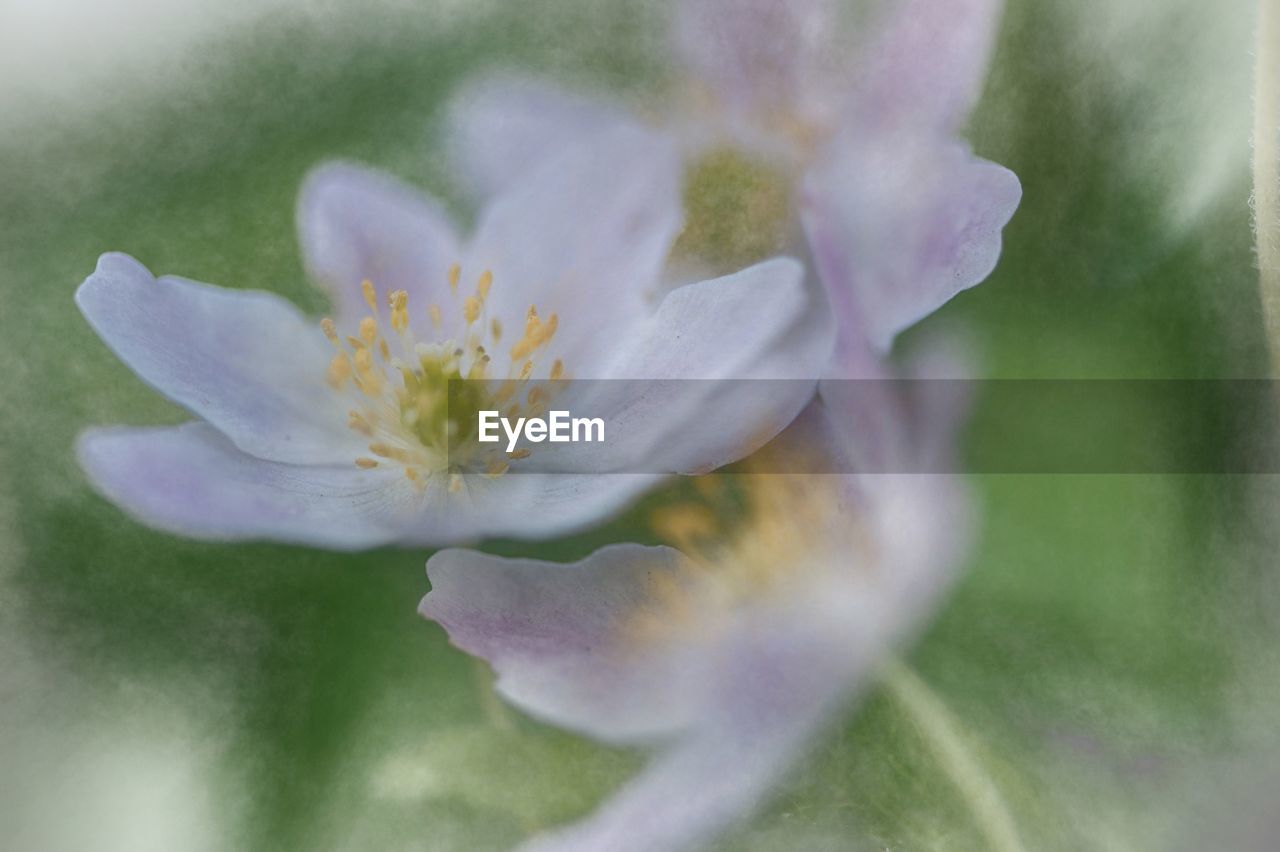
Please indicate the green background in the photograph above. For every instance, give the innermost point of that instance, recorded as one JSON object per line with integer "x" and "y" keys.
{"x": 1107, "y": 656}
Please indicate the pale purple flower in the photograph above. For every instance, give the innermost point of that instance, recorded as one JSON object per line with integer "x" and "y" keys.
{"x": 344, "y": 442}
{"x": 898, "y": 213}
{"x": 726, "y": 660}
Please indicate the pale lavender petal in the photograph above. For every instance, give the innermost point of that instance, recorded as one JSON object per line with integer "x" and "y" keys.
{"x": 773, "y": 687}
{"x": 531, "y": 505}
{"x": 898, "y": 226}
{"x": 758, "y": 56}
{"x": 500, "y": 128}
{"x": 728, "y": 363}
{"x": 246, "y": 361}
{"x": 584, "y": 236}
{"x": 925, "y": 64}
{"x": 566, "y": 641}
{"x": 192, "y": 481}
{"x": 355, "y": 224}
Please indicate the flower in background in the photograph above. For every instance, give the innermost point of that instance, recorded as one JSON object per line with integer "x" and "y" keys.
{"x": 794, "y": 129}
{"x": 343, "y": 433}
{"x": 728, "y": 654}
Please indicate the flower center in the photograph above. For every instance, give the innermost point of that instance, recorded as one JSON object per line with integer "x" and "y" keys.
{"x": 737, "y": 210}
{"x": 417, "y": 401}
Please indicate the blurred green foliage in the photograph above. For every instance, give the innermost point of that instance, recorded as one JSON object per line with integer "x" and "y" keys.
{"x": 1092, "y": 654}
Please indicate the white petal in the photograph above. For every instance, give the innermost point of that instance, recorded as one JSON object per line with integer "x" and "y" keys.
{"x": 773, "y": 686}
{"x": 584, "y": 236}
{"x": 356, "y": 224}
{"x": 192, "y": 481}
{"x": 246, "y": 361}
{"x": 719, "y": 369}
{"x": 560, "y": 637}
{"x": 761, "y": 57}
{"x": 501, "y": 127}
{"x": 925, "y": 64}
{"x": 898, "y": 226}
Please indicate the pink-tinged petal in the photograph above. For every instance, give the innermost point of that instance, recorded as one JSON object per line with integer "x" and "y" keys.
{"x": 757, "y": 56}
{"x": 190, "y": 480}
{"x": 925, "y": 64}
{"x": 246, "y": 361}
{"x": 532, "y": 505}
{"x": 775, "y": 681}
{"x": 898, "y": 226}
{"x": 585, "y": 236}
{"x": 560, "y": 637}
{"x": 355, "y": 224}
{"x": 720, "y": 367}
{"x": 500, "y": 128}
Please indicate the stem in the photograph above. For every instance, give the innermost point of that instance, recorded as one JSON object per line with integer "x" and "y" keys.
{"x": 490, "y": 704}
{"x": 942, "y": 732}
{"x": 1266, "y": 170}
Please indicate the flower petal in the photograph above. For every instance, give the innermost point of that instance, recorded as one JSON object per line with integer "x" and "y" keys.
{"x": 356, "y": 224}
{"x": 584, "y": 236}
{"x": 780, "y": 694}
{"x": 556, "y": 635}
{"x": 532, "y": 505}
{"x": 501, "y": 127}
{"x": 925, "y": 64}
{"x": 721, "y": 367}
{"x": 898, "y": 226}
{"x": 246, "y": 361}
{"x": 192, "y": 481}
{"x": 759, "y": 56}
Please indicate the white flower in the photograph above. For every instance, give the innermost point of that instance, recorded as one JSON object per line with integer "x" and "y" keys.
{"x": 343, "y": 442}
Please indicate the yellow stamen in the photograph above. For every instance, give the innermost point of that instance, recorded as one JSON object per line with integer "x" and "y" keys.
{"x": 434, "y": 312}
{"x": 471, "y": 309}
{"x": 482, "y": 287}
{"x": 557, "y": 370}
{"x": 368, "y": 330}
{"x": 495, "y": 328}
{"x": 330, "y": 330}
{"x": 366, "y": 463}
{"x": 339, "y": 370}
{"x": 522, "y": 453}
{"x": 370, "y": 294}
{"x": 455, "y": 272}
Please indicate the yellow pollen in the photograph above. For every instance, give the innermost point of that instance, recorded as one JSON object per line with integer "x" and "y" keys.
{"x": 411, "y": 410}
{"x": 522, "y": 453}
{"x": 357, "y": 422}
{"x": 557, "y": 370}
{"x": 471, "y": 309}
{"x": 339, "y": 370}
{"x": 399, "y": 301}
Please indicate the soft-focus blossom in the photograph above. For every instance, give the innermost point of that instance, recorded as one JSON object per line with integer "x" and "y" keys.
{"x": 352, "y": 441}
{"x": 796, "y": 129}
{"x": 727, "y": 655}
